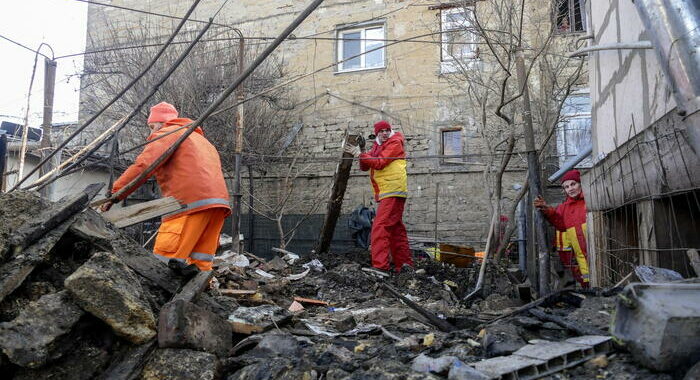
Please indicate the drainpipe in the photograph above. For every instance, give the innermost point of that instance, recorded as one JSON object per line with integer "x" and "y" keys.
{"x": 522, "y": 242}
{"x": 674, "y": 29}
{"x": 617, "y": 46}
{"x": 568, "y": 165}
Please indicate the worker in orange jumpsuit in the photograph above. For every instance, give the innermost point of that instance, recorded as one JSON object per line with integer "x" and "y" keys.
{"x": 569, "y": 220}
{"x": 194, "y": 177}
{"x": 387, "y": 166}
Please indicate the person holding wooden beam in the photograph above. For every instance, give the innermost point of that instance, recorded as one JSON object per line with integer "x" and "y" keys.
{"x": 387, "y": 166}
{"x": 193, "y": 176}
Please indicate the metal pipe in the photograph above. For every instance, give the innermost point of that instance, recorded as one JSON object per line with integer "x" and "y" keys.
{"x": 568, "y": 165}
{"x": 674, "y": 28}
{"x": 522, "y": 249}
{"x": 616, "y": 46}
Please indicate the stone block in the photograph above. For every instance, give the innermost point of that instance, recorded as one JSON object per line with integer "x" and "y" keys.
{"x": 106, "y": 288}
{"x": 182, "y": 324}
{"x": 28, "y": 339}
{"x": 181, "y": 364}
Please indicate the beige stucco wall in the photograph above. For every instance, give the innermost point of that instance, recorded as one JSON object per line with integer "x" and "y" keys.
{"x": 629, "y": 92}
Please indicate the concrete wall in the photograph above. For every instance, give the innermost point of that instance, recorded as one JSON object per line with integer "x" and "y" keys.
{"x": 628, "y": 89}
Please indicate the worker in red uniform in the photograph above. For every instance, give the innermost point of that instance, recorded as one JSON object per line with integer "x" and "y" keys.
{"x": 569, "y": 220}
{"x": 193, "y": 176}
{"x": 387, "y": 166}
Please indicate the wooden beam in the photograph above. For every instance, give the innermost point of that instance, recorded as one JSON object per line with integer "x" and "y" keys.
{"x": 335, "y": 203}
{"x": 128, "y": 216}
{"x": 441, "y": 324}
{"x": 195, "y": 286}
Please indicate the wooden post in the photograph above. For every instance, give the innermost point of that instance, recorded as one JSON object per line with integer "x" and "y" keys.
{"x": 251, "y": 212}
{"x": 49, "y": 84}
{"x": 335, "y": 203}
{"x": 3, "y": 160}
{"x": 647, "y": 232}
{"x": 534, "y": 175}
{"x": 437, "y": 203}
{"x": 238, "y": 136}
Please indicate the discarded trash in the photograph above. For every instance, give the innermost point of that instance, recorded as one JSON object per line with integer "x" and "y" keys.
{"x": 264, "y": 274}
{"x": 296, "y": 277}
{"x": 315, "y": 264}
{"x": 230, "y": 258}
{"x": 656, "y": 275}
{"x": 296, "y": 307}
{"x": 310, "y": 301}
{"x": 225, "y": 239}
{"x": 248, "y": 320}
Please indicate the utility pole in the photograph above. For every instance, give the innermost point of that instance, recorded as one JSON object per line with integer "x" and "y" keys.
{"x": 46, "y": 143}
{"x": 238, "y": 146}
{"x": 534, "y": 176}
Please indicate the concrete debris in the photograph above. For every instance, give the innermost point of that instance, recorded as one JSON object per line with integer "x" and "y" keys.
{"x": 84, "y": 306}
{"x": 660, "y": 324}
{"x": 109, "y": 290}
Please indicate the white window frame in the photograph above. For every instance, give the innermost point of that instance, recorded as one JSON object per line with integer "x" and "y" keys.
{"x": 450, "y": 64}
{"x": 363, "y": 47}
{"x": 562, "y": 153}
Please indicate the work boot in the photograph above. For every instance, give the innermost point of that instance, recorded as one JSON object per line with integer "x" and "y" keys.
{"x": 184, "y": 270}
{"x": 405, "y": 268}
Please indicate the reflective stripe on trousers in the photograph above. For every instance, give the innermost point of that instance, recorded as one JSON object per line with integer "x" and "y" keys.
{"x": 196, "y": 204}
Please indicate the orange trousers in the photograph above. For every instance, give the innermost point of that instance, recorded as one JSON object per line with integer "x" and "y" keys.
{"x": 191, "y": 239}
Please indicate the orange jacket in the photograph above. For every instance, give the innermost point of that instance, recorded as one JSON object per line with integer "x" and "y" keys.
{"x": 192, "y": 175}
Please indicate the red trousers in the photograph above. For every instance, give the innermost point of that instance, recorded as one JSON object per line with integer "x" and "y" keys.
{"x": 389, "y": 235}
{"x": 191, "y": 239}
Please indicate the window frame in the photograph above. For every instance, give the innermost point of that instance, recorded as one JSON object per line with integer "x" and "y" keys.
{"x": 455, "y": 160}
{"x": 448, "y": 63}
{"x": 561, "y": 130}
{"x": 362, "y": 28}
{"x": 570, "y": 15}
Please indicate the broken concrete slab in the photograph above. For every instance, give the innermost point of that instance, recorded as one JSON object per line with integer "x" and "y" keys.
{"x": 280, "y": 344}
{"x": 17, "y": 208}
{"x": 502, "y": 339}
{"x": 181, "y": 364}
{"x": 249, "y": 320}
{"x": 461, "y": 371}
{"x": 541, "y": 358}
{"x": 105, "y": 287}
{"x": 182, "y": 324}
{"x": 28, "y": 339}
{"x": 660, "y": 324}
{"x": 440, "y": 366}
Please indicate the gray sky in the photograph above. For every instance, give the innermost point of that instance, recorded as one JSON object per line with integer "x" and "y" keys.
{"x": 59, "y": 23}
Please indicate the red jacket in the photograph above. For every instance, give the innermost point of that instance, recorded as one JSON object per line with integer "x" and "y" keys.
{"x": 569, "y": 219}
{"x": 387, "y": 166}
{"x": 192, "y": 175}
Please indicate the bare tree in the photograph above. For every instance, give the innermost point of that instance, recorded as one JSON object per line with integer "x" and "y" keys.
{"x": 207, "y": 71}
{"x": 484, "y": 54}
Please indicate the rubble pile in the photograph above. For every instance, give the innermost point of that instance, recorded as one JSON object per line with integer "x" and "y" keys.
{"x": 82, "y": 300}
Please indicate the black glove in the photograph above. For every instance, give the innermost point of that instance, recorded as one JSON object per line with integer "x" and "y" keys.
{"x": 361, "y": 142}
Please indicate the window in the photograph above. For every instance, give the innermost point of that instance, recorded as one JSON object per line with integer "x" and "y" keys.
{"x": 353, "y": 43}
{"x": 451, "y": 143}
{"x": 570, "y": 16}
{"x": 458, "y": 38}
{"x": 574, "y": 130}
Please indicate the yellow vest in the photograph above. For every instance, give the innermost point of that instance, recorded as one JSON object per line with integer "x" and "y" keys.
{"x": 390, "y": 181}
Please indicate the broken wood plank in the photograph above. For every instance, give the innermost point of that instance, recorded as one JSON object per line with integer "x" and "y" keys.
{"x": 14, "y": 272}
{"x": 52, "y": 217}
{"x": 195, "y": 286}
{"x": 310, "y": 301}
{"x": 578, "y": 328}
{"x": 545, "y": 299}
{"x": 129, "y": 363}
{"x": 437, "y": 322}
{"x": 237, "y": 292}
{"x": 128, "y": 216}
{"x": 335, "y": 202}
{"x": 694, "y": 259}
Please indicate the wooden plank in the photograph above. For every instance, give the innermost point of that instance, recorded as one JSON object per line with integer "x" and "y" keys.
{"x": 335, "y": 202}
{"x": 128, "y": 216}
{"x": 195, "y": 286}
{"x": 434, "y": 320}
{"x": 237, "y": 292}
{"x": 694, "y": 260}
{"x": 310, "y": 301}
{"x": 68, "y": 206}
{"x": 14, "y": 272}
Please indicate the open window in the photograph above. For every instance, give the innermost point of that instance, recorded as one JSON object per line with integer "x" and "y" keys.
{"x": 570, "y": 16}
{"x": 361, "y": 48}
{"x": 459, "y": 40}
